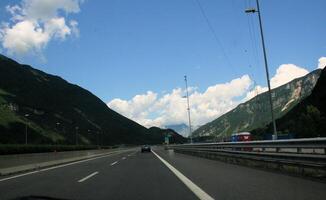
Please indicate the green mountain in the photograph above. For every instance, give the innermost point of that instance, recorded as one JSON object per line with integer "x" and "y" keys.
{"x": 255, "y": 113}
{"x": 307, "y": 118}
{"x": 57, "y": 112}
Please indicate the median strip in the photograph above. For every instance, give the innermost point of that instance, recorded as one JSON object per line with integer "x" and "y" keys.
{"x": 201, "y": 194}
{"x": 87, "y": 177}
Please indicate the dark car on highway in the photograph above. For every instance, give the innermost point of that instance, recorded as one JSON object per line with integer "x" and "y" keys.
{"x": 145, "y": 148}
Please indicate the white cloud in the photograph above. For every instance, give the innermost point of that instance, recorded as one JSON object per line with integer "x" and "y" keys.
{"x": 56, "y": 27}
{"x": 151, "y": 109}
{"x": 23, "y": 37}
{"x": 34, "y": 23}
{"x": 137, "y": 108}
{"x": 286, "y": 73}
{"x": 322, "y": 63}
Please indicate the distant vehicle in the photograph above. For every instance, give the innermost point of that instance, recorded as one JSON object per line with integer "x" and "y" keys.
{"x": 241, "y": 137}
{"x": 145, "y": 148}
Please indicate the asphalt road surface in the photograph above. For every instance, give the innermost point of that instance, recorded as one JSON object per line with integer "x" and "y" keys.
{"x": 160, "y": 175}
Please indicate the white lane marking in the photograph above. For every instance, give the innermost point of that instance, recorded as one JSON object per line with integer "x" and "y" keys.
{"x": 114, "y": 163}
{"x": 59, "y": 166}
{"x": 133, "y": 153}
{"x": 87, "y": 177}
{"x": 123, "y": 158}
{"x": 201, "y": 194}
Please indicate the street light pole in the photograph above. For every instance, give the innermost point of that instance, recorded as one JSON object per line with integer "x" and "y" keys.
{"x": 26, "y": 136}
{"x": 26, "y": 133}
{"x": 252, "y": 10}
{"x": 188, "y": 108}
{"x": 97, "y": 139}
{"x": 76, "y": 135}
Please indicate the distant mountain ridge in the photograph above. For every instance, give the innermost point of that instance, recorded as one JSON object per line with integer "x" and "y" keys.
{"x": 57, "y": 112}
{"x": 255, "y": 113}
{"x": 182, "y": 129}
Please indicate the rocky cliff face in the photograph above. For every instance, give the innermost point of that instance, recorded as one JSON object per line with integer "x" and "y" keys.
{"x": 255, "y": 113}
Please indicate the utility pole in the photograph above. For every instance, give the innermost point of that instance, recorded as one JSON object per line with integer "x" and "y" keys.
{"x": 188, "y": 108}
{"x": 253, "y": 10}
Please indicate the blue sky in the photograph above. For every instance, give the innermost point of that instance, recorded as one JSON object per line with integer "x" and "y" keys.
{"x": 127, "y": 47}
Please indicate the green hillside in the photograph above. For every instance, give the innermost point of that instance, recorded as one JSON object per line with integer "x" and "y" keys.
{"x": 255, "y": 113}
{"x": 306, "y": 119}
{"x": 58, "y": 112}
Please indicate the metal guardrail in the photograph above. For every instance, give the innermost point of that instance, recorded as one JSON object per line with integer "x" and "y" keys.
{"x": 308, "y": 152}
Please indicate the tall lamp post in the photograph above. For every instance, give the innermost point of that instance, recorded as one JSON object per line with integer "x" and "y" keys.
{"x": 97, "y": 139}
{"x": 253, "y": 10}
{"x": 76, "y": 135}
{"x": 26, "y": 134}
{"x": 188, "y": 108}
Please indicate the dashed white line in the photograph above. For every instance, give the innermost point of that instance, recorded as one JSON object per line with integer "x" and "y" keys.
{"x": 201, "y": 194}
{"x": 132, "y": 154}
{"x": 87, "y": 177}
{"x": 114, "y": 163}
{"x": 123, "y": 158}
{"x": 59, "y": 166}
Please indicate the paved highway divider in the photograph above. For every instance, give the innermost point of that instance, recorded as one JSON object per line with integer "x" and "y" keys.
{"x": 305, "y": 157}
{"x": 13, "y": 164}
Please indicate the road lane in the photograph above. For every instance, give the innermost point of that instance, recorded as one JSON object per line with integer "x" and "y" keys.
{"x": 59, "y": 182}
{"x": 143, "y": 176}
{"x": 201, "y": 194}
{"x": 139, "y": 176}
{"x": 234, "y": 182}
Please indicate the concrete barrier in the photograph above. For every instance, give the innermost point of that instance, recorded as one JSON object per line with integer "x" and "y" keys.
{"x": 12, "y": 164}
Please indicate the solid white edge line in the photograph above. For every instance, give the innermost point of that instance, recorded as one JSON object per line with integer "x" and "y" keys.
{"x": 59, "y": 166}
{"x": 114, "y": 163}
{"x": 201, "y": 194}
{"x": 87, "y": 177}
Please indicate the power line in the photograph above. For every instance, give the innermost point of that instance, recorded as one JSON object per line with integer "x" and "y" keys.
{"x": 252, "y": 36}
{"x": 211, "y": 28}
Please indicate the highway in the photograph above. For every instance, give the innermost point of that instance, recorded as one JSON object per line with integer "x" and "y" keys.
{"x": 162, "y": 174}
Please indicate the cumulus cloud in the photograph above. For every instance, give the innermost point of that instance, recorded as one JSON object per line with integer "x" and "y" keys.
{"x": 322, "y": 63}
{"x": 137, "y": 108}
{"x": 152, "y": 109}
{"x": 149, "y": 110}
{"x": 34, "y": 23}
{"x": 286, "y": 73}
